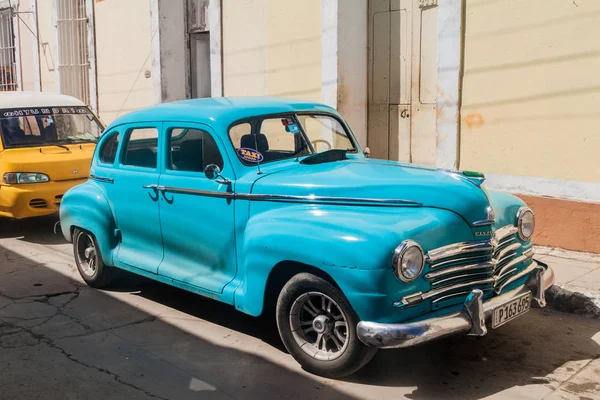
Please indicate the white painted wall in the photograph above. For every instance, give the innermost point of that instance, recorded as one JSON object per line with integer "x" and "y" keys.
{"x": 351, "y": 83}
{"x": 169, "y": 50}
{"x": 449, "y": 72}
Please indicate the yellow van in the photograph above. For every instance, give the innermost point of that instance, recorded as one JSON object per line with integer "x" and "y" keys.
{"x": 46, "y": 145}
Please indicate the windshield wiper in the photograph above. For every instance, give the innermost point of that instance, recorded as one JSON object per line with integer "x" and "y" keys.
{"x": 78, "y": 140}
{"x": 326, "y": 156}
{"x": 55, "y": 144}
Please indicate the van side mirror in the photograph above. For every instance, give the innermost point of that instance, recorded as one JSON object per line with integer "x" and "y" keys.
{"x": 367, "y": 152}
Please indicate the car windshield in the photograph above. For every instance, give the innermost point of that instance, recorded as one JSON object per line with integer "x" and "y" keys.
{"x": 265, "y": 139}
{"x": 23, "y": 127}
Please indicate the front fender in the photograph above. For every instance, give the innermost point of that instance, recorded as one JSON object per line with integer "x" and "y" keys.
{"x": 352, "y": 244}
{"x": 86, "y": 207}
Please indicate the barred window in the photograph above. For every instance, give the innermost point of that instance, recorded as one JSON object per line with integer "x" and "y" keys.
{"x": 8, "y": 67}
{"x": 73, "y": 54}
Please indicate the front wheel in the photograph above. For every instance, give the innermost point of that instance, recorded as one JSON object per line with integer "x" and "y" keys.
{"x": 89, "y": 260}
{"x": 318, "y": 327}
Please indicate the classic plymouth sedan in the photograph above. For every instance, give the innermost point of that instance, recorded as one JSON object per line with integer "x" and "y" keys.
{"x": 271, "y": 204}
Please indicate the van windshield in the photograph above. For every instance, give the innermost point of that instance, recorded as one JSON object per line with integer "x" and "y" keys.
{"x": 27, "y": 127}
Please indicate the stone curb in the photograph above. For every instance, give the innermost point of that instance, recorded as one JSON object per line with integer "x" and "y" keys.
{"x": 571, "y": 300}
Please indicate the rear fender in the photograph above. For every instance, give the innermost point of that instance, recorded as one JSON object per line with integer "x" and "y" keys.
{"x": 86, "y": 207}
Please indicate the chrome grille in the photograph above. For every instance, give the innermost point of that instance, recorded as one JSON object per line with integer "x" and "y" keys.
{"x": 455, "y": 270}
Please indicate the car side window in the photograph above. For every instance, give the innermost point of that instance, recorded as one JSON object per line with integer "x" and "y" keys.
{"x": 192, "y": 150}
{"x": 142, "y": 148}
{"x": 108, "y": 153}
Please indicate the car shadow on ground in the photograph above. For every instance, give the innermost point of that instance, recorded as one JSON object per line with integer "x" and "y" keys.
{"x": 59, "y": 338}
{"x": 38, "y": 230}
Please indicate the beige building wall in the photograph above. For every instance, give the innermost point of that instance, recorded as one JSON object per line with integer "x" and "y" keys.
{"x": 48, "y": 50}
{"x": 531, "y": 92}
{"x": 272, "y": 48}
{"x": 530, "y": 118}
{"x": 123, "y": 52}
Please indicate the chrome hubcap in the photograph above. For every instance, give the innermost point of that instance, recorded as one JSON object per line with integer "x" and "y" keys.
{"x": 319, "y": 326}
{"x": 86, "y": 253}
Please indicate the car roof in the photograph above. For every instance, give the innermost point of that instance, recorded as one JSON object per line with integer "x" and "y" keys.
{"x": 37, "y": 99}
{"x": 219, "y": 110}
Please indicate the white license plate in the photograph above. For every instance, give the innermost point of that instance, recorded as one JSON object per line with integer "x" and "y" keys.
{"x": 511, "y": 310}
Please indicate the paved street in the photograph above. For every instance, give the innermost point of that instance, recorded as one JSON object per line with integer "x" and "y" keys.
{"x": 62, "y": 340}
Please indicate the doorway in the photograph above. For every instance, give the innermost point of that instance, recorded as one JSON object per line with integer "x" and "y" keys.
{"x": 200, "y": 64}
{"x": 402, "y": 77}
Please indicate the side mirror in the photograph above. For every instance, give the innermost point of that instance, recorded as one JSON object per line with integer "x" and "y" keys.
{"x": 367, "y": 152}
{"x": 212, "y": 171}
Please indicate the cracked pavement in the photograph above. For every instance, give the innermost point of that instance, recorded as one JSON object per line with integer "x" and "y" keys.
{"x": 60, "y": 339}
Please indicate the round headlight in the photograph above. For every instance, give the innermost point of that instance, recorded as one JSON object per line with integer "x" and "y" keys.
{"x": 525, "y": 223}
{"x": 408, "y": 260}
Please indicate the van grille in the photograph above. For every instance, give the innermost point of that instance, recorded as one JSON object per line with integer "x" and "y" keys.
{"x": 38, "y": 203}
{"x": 455, "y": 270}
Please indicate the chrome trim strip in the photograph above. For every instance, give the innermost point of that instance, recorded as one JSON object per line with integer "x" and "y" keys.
{"x": 516, "y": 277}
{"x": 458, "y": 248}
{"x": 290, "y": 198}
{"x": 327, "y": 199}
{"x": 504, "y": 232}
{"x": 460, "y": 261}
{"x": 102, "y": 179}
{"x": 484, "y": 222}
{"x": 449, "y": 296}
{"x": 208, "y": 193}
{"x": 506, "y": 252}
{"x": 412, "y": 298}
{"x": 512, "y": 263}
{"x": 505, "y": 243}
{"x": 460, "y": 268}
{"x": 450, "y": 279}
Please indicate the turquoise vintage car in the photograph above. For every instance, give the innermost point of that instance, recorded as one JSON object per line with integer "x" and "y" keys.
{"x": 268, "y": 203}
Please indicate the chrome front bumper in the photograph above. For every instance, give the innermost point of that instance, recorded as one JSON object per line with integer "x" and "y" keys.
{"x": 471, "y": 320}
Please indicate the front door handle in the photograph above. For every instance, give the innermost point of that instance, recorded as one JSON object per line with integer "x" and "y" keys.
{"x": 154, "y": 188}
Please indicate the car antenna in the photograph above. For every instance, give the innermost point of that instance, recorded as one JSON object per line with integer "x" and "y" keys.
{"x": 256, "y": 148}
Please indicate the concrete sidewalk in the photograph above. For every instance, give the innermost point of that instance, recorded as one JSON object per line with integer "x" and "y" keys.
{"x": 577, "y": 285}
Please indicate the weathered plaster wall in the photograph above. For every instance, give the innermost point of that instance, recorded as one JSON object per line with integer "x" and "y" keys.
{"x": 531, "y": 89}
{"x": 272, "y": 47}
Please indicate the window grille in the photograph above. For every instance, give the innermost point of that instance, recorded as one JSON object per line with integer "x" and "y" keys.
{"x": 8, "y": 65}
{"x": 73, "y": 55}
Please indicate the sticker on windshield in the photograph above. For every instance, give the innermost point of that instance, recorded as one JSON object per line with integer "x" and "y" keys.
{"x": 292, "y": 129}
{"x": 249, "y": 155}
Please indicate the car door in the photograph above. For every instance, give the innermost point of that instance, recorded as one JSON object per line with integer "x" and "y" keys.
{"x": 197, "y": 214}
{"x": 136, "y": 199}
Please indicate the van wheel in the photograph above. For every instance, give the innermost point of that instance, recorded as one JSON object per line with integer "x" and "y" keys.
{"x": 318, "y": 327}
{"x": 89, "y": 260}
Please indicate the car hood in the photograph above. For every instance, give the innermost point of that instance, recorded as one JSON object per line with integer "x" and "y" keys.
{"x": 384, "y": 181}
{"x": 58, "y": 163}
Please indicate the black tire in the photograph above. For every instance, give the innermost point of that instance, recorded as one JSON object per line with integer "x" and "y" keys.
{"x": 306, "y": 288}
{"x": 89, "y": 260}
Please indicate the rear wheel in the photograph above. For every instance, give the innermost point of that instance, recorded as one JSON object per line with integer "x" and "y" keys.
{"x": 89, "y": 260}
{"x": 318, "y": 327}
